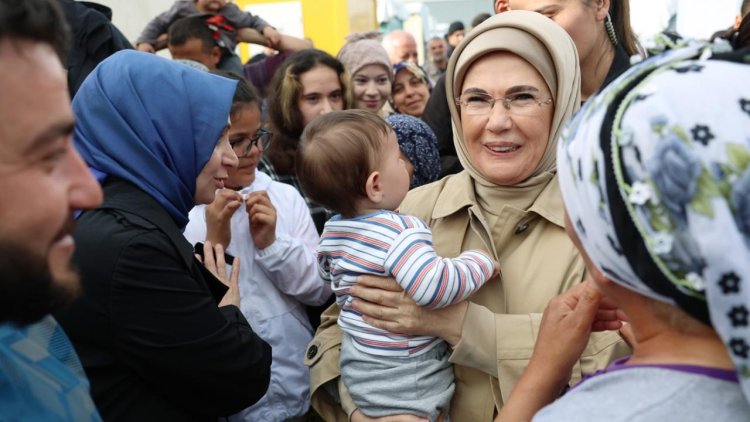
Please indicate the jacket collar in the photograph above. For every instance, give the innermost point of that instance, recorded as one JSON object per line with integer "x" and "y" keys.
{"x": 458, "y": 193}
{"x": 124, "y": 196}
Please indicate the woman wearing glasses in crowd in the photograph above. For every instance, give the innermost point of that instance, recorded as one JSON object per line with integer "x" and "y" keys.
{"x": 506, "y": 202}
{"x": 268, "y": 226}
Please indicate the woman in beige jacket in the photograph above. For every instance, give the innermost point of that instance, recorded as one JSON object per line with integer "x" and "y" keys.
{"x": 516, "y": 81}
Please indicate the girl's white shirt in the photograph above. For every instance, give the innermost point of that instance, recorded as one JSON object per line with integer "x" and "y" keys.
{"x": 275, "y": 283}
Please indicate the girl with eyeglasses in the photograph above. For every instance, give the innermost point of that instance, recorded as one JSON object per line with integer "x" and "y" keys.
{"x": 268, "y": 226}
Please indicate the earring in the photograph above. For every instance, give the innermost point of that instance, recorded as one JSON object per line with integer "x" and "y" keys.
{"x": 610, "y": 27}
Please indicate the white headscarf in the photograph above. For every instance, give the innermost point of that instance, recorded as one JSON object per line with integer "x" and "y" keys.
{"x": 655, "y": 175}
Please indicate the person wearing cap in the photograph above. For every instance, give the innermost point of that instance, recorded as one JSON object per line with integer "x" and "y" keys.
{"x": 368, "y": 64}
{"x": 455, "y": 34}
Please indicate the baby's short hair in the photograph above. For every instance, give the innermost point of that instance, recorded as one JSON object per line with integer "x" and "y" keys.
{"x": 337, "y": 153}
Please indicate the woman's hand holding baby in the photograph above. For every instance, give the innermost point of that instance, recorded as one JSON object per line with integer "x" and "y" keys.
{"x": 385, "y": 305}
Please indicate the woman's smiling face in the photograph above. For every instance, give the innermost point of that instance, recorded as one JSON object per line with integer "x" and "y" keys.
{"x": 410, "y": 93}
{"x": 504, "y": 146}
{"x": 371, "y": 87}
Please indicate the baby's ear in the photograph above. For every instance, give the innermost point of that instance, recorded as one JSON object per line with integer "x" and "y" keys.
{"x": 373, "y": 187}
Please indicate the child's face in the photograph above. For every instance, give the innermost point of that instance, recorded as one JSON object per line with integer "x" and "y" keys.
{"x": 209, "y": 6}
{"x": 245, "y": 125}
{"x": 394, "y": 175}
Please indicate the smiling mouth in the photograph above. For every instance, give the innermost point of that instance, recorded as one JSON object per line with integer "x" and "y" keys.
{"x": 504, "y": 149}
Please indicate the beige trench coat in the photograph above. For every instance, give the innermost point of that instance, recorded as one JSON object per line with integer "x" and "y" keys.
{"x": 537, "y": 261}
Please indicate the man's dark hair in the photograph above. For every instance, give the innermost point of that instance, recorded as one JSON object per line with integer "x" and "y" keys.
{"x": 191, "y": 27}
{"x": 35, "y": 20}
{"x": 745, "y": 8}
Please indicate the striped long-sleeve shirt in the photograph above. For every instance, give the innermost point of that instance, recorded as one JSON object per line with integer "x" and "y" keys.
{"x": 386, "y": 243}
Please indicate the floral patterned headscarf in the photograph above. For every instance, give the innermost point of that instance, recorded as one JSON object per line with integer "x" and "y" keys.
{"x": 655, "y": 176}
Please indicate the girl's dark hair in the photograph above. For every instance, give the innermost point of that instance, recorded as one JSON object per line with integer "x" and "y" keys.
{"x": 283, "y": 110}
{"x": 245, "y": 94}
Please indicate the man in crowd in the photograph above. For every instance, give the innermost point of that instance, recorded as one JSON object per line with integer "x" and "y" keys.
{"x": 455, "y": 34}
{"x": 437, "y": 61}
{"x": 43, "y": 180}
{"x": 401, "y": 46}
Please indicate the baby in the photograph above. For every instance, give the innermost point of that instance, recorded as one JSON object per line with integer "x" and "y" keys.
{"x": 350, "y": 162}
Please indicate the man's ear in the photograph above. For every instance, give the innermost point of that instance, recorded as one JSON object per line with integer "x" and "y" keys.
{"x": 373, "y": 187}
{"x": 215, "y": 55}
{"x": 501, "y": 6}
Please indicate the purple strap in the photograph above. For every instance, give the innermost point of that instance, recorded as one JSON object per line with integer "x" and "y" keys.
{"x": 728, "y": 375}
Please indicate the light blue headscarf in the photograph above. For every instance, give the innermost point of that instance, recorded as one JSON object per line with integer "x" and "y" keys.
{"x": 152, "y": 122}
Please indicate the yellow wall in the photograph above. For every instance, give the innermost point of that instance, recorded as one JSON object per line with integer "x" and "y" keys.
{"x": 327, "y": 22}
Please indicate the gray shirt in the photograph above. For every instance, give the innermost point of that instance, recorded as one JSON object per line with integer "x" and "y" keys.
{"x": 650, "y": 394}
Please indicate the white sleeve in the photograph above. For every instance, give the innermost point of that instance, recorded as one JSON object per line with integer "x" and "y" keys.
{"x": 291, "y": 261}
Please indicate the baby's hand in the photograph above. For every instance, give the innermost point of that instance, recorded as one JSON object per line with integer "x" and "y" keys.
{"x": 496, "y": 268}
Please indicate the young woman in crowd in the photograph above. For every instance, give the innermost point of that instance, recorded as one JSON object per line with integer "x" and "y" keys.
{"x": 371, "y": 78}
{"x": 309, "y": 84}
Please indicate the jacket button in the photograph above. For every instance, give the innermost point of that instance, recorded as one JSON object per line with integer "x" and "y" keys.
{"x": 312, "y": 351}
{"x": 522, "y": 228}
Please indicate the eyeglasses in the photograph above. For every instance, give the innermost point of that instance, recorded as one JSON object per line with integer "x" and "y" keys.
{"x": 244, "y": 145}
{"x": 523, "y": 104}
